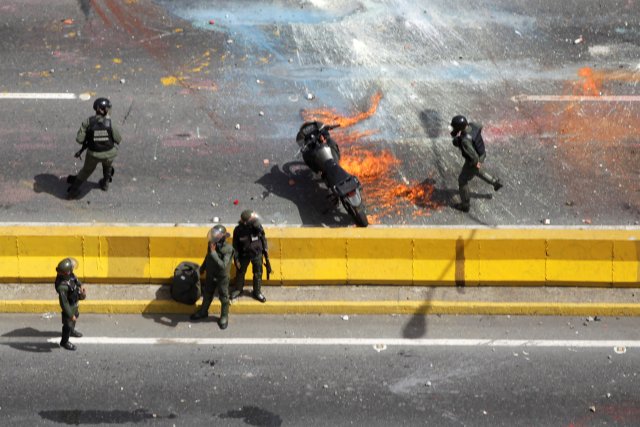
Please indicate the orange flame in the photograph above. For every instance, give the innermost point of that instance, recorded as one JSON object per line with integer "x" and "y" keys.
{"x": 332, "y": 116}
{"x": 376, "y": 170}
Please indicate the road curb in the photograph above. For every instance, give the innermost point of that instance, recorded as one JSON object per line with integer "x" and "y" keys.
{"x": 337, "y": 307}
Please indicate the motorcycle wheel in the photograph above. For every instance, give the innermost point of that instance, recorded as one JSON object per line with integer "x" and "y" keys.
{"x": 358, "y": 214}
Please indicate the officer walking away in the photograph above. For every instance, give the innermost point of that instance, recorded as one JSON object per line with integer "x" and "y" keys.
{"x": 217, "y": 265}
{"x": 250, "y": 245}
{"x": 101, "y": 139}
{"x": 468, "y": 138}
{"x": 70, "y": 291}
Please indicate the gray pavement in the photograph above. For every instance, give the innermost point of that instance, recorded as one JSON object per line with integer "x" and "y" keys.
{"x": 182, "y": 74}
{"x": 168, "y": 383}
{"x": 122, "y": 292}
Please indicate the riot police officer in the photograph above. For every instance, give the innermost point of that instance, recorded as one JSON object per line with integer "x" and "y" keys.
{"x": 101, "y": 139}
{"x": 70, "y": 291}
{"x": 468, "y": 138}
{"x": 249, "y": 244}
{"x": 217, "y": 266}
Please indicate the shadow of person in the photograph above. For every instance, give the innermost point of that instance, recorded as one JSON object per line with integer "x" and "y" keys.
{"x": 297, "y": 183}
{"x": 57, "y": 186}
{"x": 32, "y": 347}
{"x": 431, "y": 122}
{"x": 167, "y": 319}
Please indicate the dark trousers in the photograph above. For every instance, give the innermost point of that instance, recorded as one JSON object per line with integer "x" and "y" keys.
{"x": 90, "y": 164}
{"x": 68, "y": 326}
{"x": 468, "y": 172}
{"x": 256, "y": 267}
{"x": 208, "y": 290}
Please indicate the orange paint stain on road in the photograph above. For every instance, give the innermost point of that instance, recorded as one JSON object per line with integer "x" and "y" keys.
{"x": 384, "y": 188}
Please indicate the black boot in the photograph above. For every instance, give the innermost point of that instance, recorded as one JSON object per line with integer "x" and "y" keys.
{"x": 75, "y": 333}
{"x": 223, "y": 322}
{"x": 258, "y": 295}
{"x": 497, "y": 185}
{"x": 104, "y": 184}
{"x": 74, "y": 190}
{"x": 67, "y": 345}
{"x": 198, "y": 315}
{"x": 464, "y": 207}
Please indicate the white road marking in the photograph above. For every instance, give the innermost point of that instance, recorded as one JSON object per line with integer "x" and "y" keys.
{"x": 578, "y": 98}
{"x": 25, "y": 95}
{"x": 359, "y": 342}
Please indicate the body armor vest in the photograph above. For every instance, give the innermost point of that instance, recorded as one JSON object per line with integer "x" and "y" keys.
{"x": 476, "y": 140}
{"x": 250, "y": 240}
{"x": 73, "y": 295}
{"x": 100, "y": 135}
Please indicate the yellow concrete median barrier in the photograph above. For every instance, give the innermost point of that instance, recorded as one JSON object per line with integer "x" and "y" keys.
{"x": 333, "y": 256}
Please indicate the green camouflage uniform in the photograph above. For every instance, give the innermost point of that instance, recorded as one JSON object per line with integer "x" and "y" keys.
{"x": 217, "y": 265}
{"x": 470, "y": 168}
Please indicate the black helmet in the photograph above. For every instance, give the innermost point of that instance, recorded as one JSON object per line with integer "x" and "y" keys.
{"x": 101, "y": 103}
{"x": 459, "y": 123}
{"x": 66, "y": 266}
{"x": 246, "y": 215}
{"x": 217, "y": 234}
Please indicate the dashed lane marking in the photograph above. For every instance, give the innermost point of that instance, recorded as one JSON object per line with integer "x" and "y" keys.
{"x": 576, "y": 98}
{"x": 41, "y": 96}
{"x": 400, "y": 342}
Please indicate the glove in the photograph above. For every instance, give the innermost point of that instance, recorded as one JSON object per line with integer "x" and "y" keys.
{"x": 83, "y": 293}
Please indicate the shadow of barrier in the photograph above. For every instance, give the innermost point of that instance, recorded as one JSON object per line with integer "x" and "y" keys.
{"x": 336, "y": 256}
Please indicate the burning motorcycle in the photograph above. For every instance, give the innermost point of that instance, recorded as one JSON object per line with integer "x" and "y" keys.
{"x": 322, "y": 155}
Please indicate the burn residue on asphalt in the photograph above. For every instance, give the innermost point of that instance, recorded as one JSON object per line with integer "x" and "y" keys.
{"x": 387, "y": 192}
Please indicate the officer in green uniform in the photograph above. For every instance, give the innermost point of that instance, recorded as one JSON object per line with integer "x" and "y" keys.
{"x": 468, "y": 138}
{"x": 249, "y": 244}
{"x": 101, "y": 139}
{"x": 70, "y": 291}
{"x": 217, "y": 265}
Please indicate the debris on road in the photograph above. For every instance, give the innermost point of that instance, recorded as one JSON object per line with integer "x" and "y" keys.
{"x": 578, "y": 40}
{"x": 546, "y": 221}
{"x": 379, "y": 347}
{"x": 620, "y": 349}
{"x": 345, "y": 317}
{"x": 592, "y": 408}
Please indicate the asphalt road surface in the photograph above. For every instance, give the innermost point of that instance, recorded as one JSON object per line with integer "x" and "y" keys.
{"x": 321, "y": 370}
{"x": 209, "y": 96}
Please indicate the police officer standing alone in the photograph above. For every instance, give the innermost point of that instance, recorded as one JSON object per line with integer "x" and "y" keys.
{"x": 250, "y": 244}
{"x": 217, "y": 266}
{"x": 101, "y": 139}
{"x": 70, "y": 291}
{"x": 468, "y": 138}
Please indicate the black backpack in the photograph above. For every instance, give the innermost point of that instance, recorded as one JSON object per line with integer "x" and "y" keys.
{"x": 185, "y": 287}
{"x": 476, "y": 138}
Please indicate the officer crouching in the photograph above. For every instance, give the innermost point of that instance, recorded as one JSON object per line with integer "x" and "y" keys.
{"x": 70, "y": 291}
{"x": 101, "y": 139}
